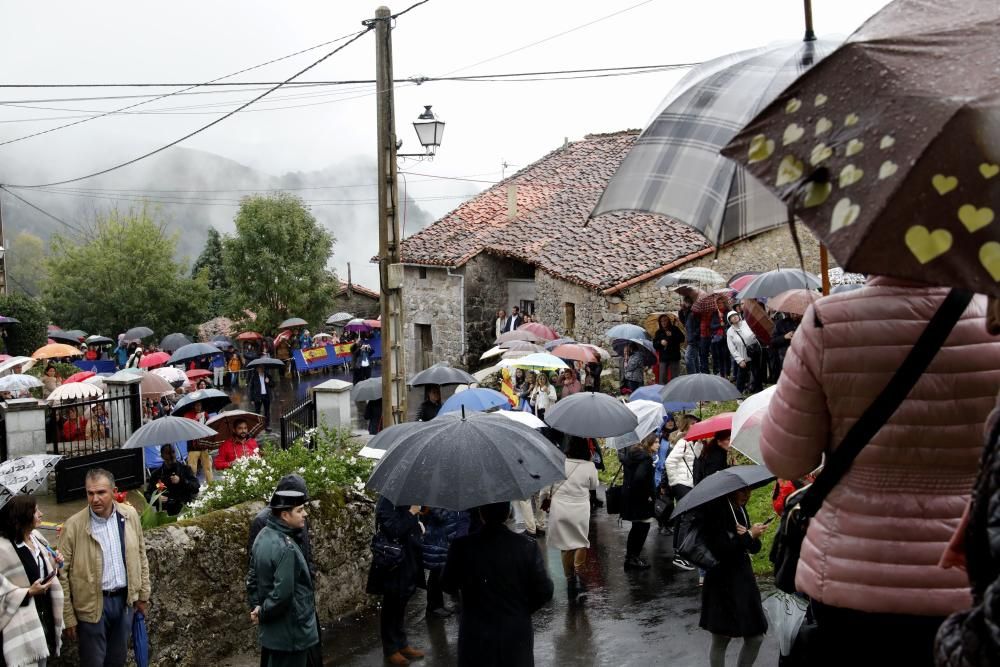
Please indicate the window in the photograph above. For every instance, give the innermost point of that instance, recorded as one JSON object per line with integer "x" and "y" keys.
{"x": 569, "y": 317}
{"x": 423, "y": 272}
{"x": 527, "y": 307}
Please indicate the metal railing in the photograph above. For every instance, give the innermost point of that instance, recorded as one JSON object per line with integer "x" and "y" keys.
{"x": 296, "y": 422}
{"x": 81, "y": 428}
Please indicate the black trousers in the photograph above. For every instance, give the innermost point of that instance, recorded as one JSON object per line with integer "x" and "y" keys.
{"x": 875, "y": 639}
{"x": 435, "y": 596}
{"x": 678, "y": 491}
{"x": 391, "y": 622}
{"x": 636, "y": 538}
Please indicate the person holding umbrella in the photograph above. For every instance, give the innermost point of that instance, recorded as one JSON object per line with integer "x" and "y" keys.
{"x": 432, "y": 403}
{"x": 239, "y": 446}
{"x": 638, "y": 493}
{"x": 667, "y": 343}
{"x": 198, "y": 451}
{"x": 634, "y": 368}
{"x": 259, "y": 390}
{"x": 179, "y": 484}
{"x": 679, "y": 477}
{"x": 746, "y": 354}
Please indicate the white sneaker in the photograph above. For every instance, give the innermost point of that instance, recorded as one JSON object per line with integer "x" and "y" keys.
{"x": 682, "y": 564}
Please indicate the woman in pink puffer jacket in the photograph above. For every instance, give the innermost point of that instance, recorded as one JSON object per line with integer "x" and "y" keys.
{"x": 870, "y": 557}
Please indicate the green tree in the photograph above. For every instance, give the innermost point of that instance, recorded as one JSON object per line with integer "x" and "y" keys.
{"x": 123, "y": 274}
{"x": 25, "y": 264}
{"x": 24, "y": 338}
{"x": 209, "y": 262}
{"x": 276, "y": 262}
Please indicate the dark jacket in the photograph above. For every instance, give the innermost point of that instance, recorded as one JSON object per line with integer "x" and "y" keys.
{"x": 638, "y": 491}
{"x": 672, "y": 351}
{"x": 290, "y": 482}
{"x": 397, "y": 523}
{"x": 179, "y": 494}
{"x": 782, "y": 327}
{"x": 512, "y": 323}
{"x": 708, "y": 462}
{"x": 441, "y": 529}
{"x": 279, "y": 582}
{"x": 428, "y": 410}
{"x": 253, "y": 387}
{"x": 692, "y": 328}
{"x": 503, "y": 580}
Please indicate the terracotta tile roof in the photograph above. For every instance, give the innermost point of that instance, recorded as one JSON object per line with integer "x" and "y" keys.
{"x": 360, "y": 289}
{"x": 554, "y": 197}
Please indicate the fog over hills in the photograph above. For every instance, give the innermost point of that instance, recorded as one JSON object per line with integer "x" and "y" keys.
{"x": 193, "y": 190}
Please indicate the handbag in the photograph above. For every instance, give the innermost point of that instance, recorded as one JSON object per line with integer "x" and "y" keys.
{"x": 387, "y": 553}
{"x": 802, "y": 505}
{"x": 694, "y": 550}
{"x": 613, "y": 496}
{"x": 663, "y": 506}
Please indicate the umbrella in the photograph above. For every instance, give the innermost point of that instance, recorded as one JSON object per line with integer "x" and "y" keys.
{"x": 56, "y": 351}
{"x": 98, "y": 381}
{"x": 266, "y": 362}
{"x": 674, "y": 168}
{"x": 760, "y": 322}
{"x": 357, "y": 324}
{"x": 339, "y": 318}
{"x": 79, "y": 377}
{"x": 652, "y": 322}
{"x": 591, "y": 415}
{"x": 78, "y": 334}
{"x": 173, "y": 342}
{"x": 249, "y": 335}
{"x": 522, "y": 417}
{"x": 174, "y": 376}
{"x": 747, "y": 424}
{"x": 516, "y": 354}
{"x": 212, "y": 400}
{"x": 197, "y": 374}
{"x": 140, "y": 640}
{"x": 24, "y": 474}
{"x": 367, "y": 390}
{"x": 153, "y": 385}
{"x": 650, "y": 415}
{"x": 441, "y": 375}
{"x": 699, "y": 387}
{"x": 9, "y": 320}
{"x": 138, "y": 333}
{"x": 838, "y": 276}
{"x": 696, "y": 276}
{"x": 64, "y": 337}
{"x": 24, "y": 362}
{"x": 225, "y": 424}
{"x": 706, "y": 303}
{"x": 550, "y": 345}
{"x": 167, "y": 430}
{"x": 643, "y": 346}
{"x": 521, "y": 346}
{"x": 153, "y": 359}
{"x": 775, "y": 282}
{"x": 793, "y": 301}
{"x": 492, "y": 352}
{"x": 722, "y": 483}
{"x": 741, "y": 280}
{"x": 838, "y": 289}
{"x": 221, "y": 344}
{"x": 293, "y": 322}
{"x": 625, "y": 331}
{"x": 99, "y": 340}
{"x": 540, "y": 361}
{"x": 575, "y": 352}
{"x": 540, "y": 330}
{"x": 479, "y": 399}
{"x": 600, "y": 351}
{"x": 322, "y": 336}
{"x": 192, "y": 351}
{"x": 901, "y": 179}
{"x": 221, "y": 339}
{"x": 710, "y": 427}
{"x": 19, "y": 382}
{"x": 484, "y": 373}
{"x": 459, "y": 462}
{"x": 517, "y": 335}
{"x": 374, "y": 324}
{"x": 74, "y": 391}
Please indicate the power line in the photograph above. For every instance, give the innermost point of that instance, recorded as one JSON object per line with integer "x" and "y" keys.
{"x": 43, "y": 211}
{"x": 410, "y": 8}
{"x": 211, "y": 124}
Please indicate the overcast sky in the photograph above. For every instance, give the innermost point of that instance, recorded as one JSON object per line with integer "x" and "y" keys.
{"x": 487, "y": 123}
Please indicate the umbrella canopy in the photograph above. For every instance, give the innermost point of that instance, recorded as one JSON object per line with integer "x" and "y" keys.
{"x": 79, "y": 334}
{"x": 266, "y": 362}
{"x": 652, "y": 392}
{"x": 479, "y": 399}
{"x": 696, "y": 276}
{"x": 516, "y": 354}
{"x": 650, "y": 415}
{"x": 741, "y": 280}
{"x": 576, "y": 352}
{"x": 760, "y": 322}
{"x": 697, "y": 387}
{"x": 197, "y": 374}
{"x": 674, "y": 168}
{"x": 192, "y": 351}
{"x": 56, "y": 351}
{"x": 140, "y": 640}
{"x": 540, "y": 361}
{"x": 221, "y": 339}
{"x": 517, "y": 334}
{"x": 707, "y": 429}
{"x": 79, "y": 377}
{"x": 99, "y": 340}
{"x": 706, "y": 303}
{"x": 522, "y": 417}
{"x": 212, "y": 400}
{"x": 747, "y": 424}
{"x": 652, "y": 322}
{"x": 540, "y": 330}
{"x": 249, "y": 335}
{"x": 775, "y": 282}
{"x": 591, "y": 415}
{"x": 521, "y": 346}
{"x": 600, "y": 351}
{"x": 357, "y": 325}
{"x": 168, "y": 430}
{"x": 138, "y": 333}
{"x": 293, "y": 322}
{"x": 25, "y": 363}
{"x": 495, "y": 351}
{"x": 339, "y": 318}
{"x": 441, "y": 375}
{"x": 896, "y": 166}
{"x": 322, "y": 337}
{"x": 374, "y": 324}
{"x": 154, "y": 386}
{"x": 98, "y": 381}
{"x": 174, "y": 376}
{"x": 641, "y": 345}
{"x": 173, "y": 342}
{"x": 154, "y": 359}
{"x": 793, "y": 301}
{"x": 625, "y": 331}
{"x": 225, "y": 424}
{"x": 722, "y": 483}
{"x": 460, "y": 462}
{"x": 24, "y": 474}
{"x": 367, "y": 390}
{"x": 74, "y": 391}
{"x": 550, "y": 345}
{"x": 19, "y": 382}
{"x": 64, "y": 337}
{"x": 484, "y": 373}
{"x": 8, "y": 320}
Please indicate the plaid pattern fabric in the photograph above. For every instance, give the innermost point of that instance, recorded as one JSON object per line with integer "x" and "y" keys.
{"x": 695, "y": 275}
{"x": 674, "y": 168}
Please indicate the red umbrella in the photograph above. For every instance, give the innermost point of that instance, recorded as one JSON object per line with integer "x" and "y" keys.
{"x": 539, "y": 330}
{"x": 282, "y": 337}
{"x": 154, "y": 359}
{"x": 249, "y": 335}
{"x": 758, "y": 319}
{"x": 79, "y": 377}
{"x": 198, "y": 373}
{"x": 708, "y": 428}
{"x": 575, "y": 352}
{"x": 741, "y": 281}
{"x": 374, "y": 324}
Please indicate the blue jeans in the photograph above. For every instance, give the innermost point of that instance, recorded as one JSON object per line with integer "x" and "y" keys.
{"x": 105, "y": 643}
{"x": 691, "y": 358}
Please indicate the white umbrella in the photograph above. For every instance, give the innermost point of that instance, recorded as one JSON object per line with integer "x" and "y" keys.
{"x": 24, "y": 362}
{"x": 174, "y": 376}
{"x": 650, "y": 415}
{"x": 74, "y": 391}
{"x": 747, "y": 424}
{"x": 481, "y": 375}
{"x": 490, "y": 353}
{"x": 540, "y": 360}
{"x": 24, "y": 474}
{"x": 97, "y": 381}
{"x": 525, "y": 418}
{"x": 19, "y": 382}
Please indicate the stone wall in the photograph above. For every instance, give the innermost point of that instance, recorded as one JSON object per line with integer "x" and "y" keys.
{"x": 198, "y": 568}
{"x": 357, "y": 304}
{"x": 486, "y": 279}
{"x": 435, "y": 300}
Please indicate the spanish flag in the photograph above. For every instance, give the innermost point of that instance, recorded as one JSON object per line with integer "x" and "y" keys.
{"x": 507, "y": 387}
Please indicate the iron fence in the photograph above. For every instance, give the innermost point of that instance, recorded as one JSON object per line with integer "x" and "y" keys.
{"x": 81, "y": 428}
{"x": 296, "y": 422}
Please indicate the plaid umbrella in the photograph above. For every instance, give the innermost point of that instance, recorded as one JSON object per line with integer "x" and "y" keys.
{"x": 760, "y": 322}
{"x": 696, "y": 276}
{"x": 709, "y": 302}
{"x": 674, "y": 168}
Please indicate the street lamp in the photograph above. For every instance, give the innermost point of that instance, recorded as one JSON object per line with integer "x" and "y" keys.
{"x": 429, "y": 130}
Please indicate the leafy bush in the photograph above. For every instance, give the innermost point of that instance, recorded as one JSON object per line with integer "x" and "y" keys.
{"x": 334, "y": 462}
{"x": 24, "y": 338}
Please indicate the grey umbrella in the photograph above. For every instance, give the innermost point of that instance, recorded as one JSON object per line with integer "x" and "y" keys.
{"x": 591, "y": 415}
{"x": 439, "y": 374}
{"x": 168, "y": 430}
{"x": 458, "y": 462}
{"x": 64, "y": 337}
{"x": 99, "y": 340}
{"x": 626, "y": 331}
{"x": 138, "y": 333}
{"x": 552, "y": 344}
{"x": 173, "y": 342}
{"x": 293, "y": 322}
{"x": 698, "y": 387}
{"x": 367, "y": 390}
{"x": 775, "y": 282}
{"x": 722, "y": 483}
{"x": 192, "y": 351}
{"x": 339, "y": 318}
{"x": 644, "y": 346}
{"x": 266, "y": 362}
{"x": 212, "y": 400}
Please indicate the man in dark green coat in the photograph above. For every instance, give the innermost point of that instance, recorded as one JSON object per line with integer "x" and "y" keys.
{"x": 279, "y": 587}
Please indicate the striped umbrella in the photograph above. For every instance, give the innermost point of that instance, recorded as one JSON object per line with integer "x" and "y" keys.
{"x": 696, "y": 276}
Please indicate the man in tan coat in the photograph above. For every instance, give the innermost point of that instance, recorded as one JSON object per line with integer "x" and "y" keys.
{"x": 106, "y": 576}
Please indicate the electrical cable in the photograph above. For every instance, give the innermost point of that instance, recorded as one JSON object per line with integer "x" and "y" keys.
{"x": 410, "y": 8}
{"x": 43, "y": 211}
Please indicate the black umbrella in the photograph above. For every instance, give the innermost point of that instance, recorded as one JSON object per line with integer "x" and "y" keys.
{"x": 722, "y": 483}
{"x": 591, "y": 415}
{"x": 644, "y": 346}
{"x": 439, "y": 374}
{"x": 221, "y": 344}
{"x": 266, "y": 362}
{"x": 775, "y": 282}
{"x": 8, "y": 320}
{"x": 192, "y": 351}
{"x": 64, "y": 337}
{"x": 99, "y": 340}
{"x": 167, "y": 430}
{"x": 138, "y": 333}
{"x": 77, "y": 333}
{"x": 367, "y": 390}
{"x": 696, "y": 387}
{"x": 293, "y": 322}
{"x": 173, "y": 342}
{"x": 464, "y": 461}
{"x": 212, "y": 400}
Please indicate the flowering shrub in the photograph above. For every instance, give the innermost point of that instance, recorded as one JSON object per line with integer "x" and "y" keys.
{"x": 334, "y": 462}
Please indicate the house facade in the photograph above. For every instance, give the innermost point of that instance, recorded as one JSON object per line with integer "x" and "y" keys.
{"x": 357, "y": 300}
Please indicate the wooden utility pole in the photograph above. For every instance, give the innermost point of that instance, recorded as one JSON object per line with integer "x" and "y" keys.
{"x": 3, "y": 254}
{"x": 390, "y": 259}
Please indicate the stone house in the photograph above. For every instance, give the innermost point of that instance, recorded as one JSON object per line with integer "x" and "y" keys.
{"x": 356, "y": 300}
{"x": 527, "y": 242}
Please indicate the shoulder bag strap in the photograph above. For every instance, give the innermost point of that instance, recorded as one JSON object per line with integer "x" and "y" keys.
{"x": 886, "y": 404}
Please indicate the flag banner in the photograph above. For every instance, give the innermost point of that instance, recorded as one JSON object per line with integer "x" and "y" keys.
{"x": 507, "y": 388}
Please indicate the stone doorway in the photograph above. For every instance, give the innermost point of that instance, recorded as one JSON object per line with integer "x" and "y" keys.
{"x": 425, "y": 346}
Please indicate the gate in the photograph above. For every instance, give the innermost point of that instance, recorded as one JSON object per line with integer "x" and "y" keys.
{"x": 296, "y": 422}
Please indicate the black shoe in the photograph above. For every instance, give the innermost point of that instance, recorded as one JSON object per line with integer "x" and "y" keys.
{"x": 572, "y": 588}
{"x": 636, "y": 563}
{"x": 682, "y": 564}
{"x": 440, "y": 612}
{"x": 581, "y": 590}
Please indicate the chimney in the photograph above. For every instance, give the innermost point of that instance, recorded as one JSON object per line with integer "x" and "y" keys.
{"x": 512, "y": 202}
{"x": 350, "y": 286}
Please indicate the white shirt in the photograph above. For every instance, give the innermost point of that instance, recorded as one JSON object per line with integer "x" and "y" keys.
{"x": 36, "y": 549}
{"x": 263, "y": 384}
{"x": 105, "y": 531}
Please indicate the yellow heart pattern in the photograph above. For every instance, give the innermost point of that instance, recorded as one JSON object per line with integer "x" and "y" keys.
{"x": 851, "y": 120}
{"x": 823, "y": 125}
{"x": 792, "y": 134}
{"x": 926, "y": 245}
{"x": 989, "y": 170}
{"x": 974, "y": 218}
{"x": 989, "y": 257}
{"x": 793, "y": 105}
{"x": 886, "y": 142}
{"x": 944, "y": 184}
{"x": 817, "y": 193}
{"x": 820, "y": 100}
{"x": 844, "y": 213}
{"x": 850, "y": 175}
{"x": 820, "y": 153}
{"x": 789, "y": 171}
{"x": 887, "y": 169}
{"x": 854, "y": 146}
{"x": 761, "y": 148}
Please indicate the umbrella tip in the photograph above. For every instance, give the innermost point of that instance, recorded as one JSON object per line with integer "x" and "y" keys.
{"x": 463, "y": 413}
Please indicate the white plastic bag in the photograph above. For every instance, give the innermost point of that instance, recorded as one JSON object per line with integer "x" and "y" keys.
{"x": 786, "y": 613}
